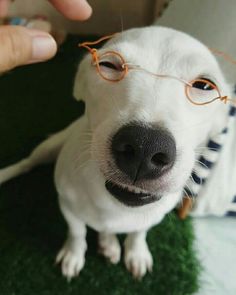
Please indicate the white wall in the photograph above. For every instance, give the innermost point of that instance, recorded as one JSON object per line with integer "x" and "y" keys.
{"x": 211, "y": 21}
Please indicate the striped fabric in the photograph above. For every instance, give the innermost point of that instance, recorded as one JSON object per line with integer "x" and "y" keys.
{"x": 205, "y": 163}
{"x": 232, "y": 208}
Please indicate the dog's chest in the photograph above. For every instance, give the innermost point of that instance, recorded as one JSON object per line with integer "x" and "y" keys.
{"x": 98, "y": 209}
{"x": 118, "y": 218}
{"x": 87, "y": 199}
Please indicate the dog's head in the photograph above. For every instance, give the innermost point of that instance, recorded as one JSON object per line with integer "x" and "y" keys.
{"x": 144, "y": 129}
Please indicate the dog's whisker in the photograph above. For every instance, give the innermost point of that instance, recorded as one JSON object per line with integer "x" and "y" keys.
{"x": 201, "y": 163}
{"x": 190, "y": 190}
{"x": 201, "y": 180}
{"x": 201, "y": 154}
{"x": 121, "y": 21}
{"x": 81, "y": 165}
{"x": 81, "y": 159}
{"x": 185, "y": 196}
{"x": 89, "y": 131}
{"x": 189, "y": 127}
{"x": 206, "y": 148}
{"x": 115, "y": 103}
{"x": 113, "y": 175}
{"x": 112, "y": 172}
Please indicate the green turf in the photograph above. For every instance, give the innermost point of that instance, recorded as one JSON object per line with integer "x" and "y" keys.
{"x": 34, "y": 102}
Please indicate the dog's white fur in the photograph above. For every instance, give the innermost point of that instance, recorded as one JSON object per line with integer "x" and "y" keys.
{"x": 84, "y": 161}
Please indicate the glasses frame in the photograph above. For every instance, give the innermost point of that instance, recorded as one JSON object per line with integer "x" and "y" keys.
{"x": 129, "y": 66}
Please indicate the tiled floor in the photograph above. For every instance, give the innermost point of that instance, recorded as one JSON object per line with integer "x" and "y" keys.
{"x": 216, "y": 246}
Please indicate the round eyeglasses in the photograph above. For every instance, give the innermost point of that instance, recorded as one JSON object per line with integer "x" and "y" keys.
{"x": 112, "y": 67}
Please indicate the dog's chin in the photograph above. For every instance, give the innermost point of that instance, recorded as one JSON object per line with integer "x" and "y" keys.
{"x": 129, "y": 196}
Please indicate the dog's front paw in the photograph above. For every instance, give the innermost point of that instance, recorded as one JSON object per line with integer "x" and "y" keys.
{"x": 72, "y": 259}
{"x": 109, "y": 247}
{"x": 138, "y": 259}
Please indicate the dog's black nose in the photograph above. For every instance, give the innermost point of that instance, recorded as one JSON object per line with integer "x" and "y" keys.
{"x": 143, "y": 152}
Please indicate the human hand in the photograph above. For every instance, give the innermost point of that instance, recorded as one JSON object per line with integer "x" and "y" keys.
{"x": 20, "y": 46}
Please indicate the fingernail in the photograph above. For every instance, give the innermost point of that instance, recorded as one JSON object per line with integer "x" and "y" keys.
{"x": 43, "y": 48}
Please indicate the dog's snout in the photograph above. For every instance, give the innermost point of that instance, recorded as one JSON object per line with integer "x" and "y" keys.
{"x": 143, "y": 152}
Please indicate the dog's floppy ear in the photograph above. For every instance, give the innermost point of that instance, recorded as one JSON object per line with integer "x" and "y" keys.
{"x": 78, "y": 87}
{"x": 79, "y": 82}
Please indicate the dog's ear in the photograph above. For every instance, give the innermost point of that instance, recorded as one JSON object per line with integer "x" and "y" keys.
{"x": 78, "y": 87}
{"x": 81, "y": 77}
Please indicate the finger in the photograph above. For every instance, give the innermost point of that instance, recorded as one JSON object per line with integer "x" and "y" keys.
{"x": 4, "y": 4}
{"x": 21, "y": 46}
{"x": 73, "y": 9}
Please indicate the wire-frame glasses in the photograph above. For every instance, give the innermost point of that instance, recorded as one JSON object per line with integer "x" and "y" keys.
{"x": 112, "y": 67}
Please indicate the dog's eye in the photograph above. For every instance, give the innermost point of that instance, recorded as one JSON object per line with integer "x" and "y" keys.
{"x": 110, "y": 65}
{"x": 202, "y": 91}
{"x": 204, "y": 84}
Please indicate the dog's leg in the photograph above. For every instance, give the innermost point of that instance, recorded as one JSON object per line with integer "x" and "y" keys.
{"x": 72, "y": 254}
{"x": 138, "y": 259}
{"x": 109, "y": 246}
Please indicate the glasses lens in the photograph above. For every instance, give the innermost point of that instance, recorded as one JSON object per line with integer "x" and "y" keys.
{"x": 111, "y": 66}
{"x": 202, "y": 91}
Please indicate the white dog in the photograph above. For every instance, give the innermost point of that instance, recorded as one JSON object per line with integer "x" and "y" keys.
{"x": 123, "y": 165}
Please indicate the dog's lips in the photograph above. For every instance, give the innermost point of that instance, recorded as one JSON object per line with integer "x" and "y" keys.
{"x": 132, "y": 198}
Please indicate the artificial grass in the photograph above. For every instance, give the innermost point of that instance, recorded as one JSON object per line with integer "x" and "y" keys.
{"x": 34, "y": 102}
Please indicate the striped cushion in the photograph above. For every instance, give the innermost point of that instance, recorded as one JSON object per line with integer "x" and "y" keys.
{"x": 204, "y": 165}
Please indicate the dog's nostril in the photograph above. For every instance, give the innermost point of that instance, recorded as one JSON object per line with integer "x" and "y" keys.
{"x": 160, "y": 159}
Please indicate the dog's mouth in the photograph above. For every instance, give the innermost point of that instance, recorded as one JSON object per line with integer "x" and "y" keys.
{"x": 132, "y": 197}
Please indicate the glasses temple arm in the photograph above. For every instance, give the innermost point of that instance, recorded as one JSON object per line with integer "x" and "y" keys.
{"x": 225, "y": 99}
{"x": 87, "y": 43}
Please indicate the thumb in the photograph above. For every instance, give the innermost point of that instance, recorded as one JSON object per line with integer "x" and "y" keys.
{"x": 19, "y": 46}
